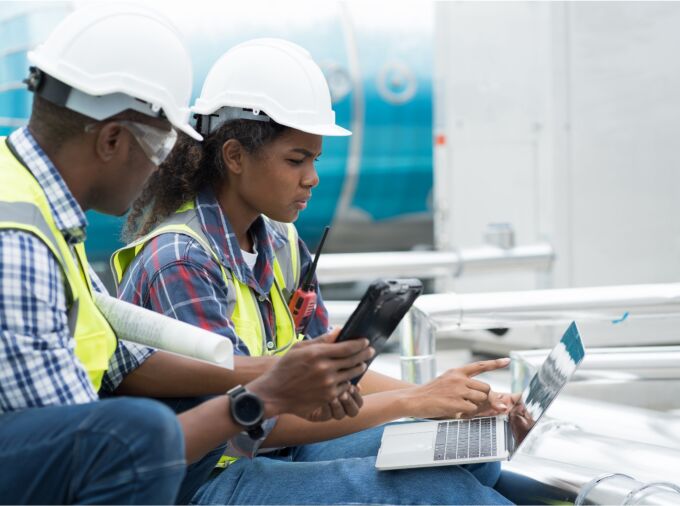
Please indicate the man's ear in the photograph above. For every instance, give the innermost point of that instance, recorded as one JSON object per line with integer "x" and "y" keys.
{"x": 232, "y": 155}
{"x": 109, "y": 141}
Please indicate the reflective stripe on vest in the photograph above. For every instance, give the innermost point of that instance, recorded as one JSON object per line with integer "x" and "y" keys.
{"x": 24, "y": 206}
{"x": 242, "y": 302}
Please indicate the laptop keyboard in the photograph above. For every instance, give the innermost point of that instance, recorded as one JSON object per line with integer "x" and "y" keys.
{"x": 465, "y": 439}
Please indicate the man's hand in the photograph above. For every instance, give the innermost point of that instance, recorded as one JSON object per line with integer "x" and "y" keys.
{"x": 348, "y": 404}
{"x": 456, "y": 394}
{"x": 312, "y": 379}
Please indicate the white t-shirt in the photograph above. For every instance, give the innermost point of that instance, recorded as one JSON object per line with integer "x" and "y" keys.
{"x": 250, "y": 258}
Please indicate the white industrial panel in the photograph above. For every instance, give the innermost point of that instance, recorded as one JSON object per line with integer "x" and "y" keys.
{"x": 491, "y": 97}
{"x": 625, "y": 156}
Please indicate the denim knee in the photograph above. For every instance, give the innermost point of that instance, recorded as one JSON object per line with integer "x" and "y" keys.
{"x": 487, "y": 473}
{"x": 149, "y": 428}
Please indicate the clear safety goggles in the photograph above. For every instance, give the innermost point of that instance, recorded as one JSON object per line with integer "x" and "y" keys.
{"x": 155, "y": 142}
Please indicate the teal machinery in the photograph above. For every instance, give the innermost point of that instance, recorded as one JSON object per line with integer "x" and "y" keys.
{"x": 376, "y": 185}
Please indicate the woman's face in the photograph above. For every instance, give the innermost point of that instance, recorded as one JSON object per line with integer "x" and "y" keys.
{"x": 278, "y": 179}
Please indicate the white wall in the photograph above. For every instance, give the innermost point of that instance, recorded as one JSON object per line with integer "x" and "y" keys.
{"x": 564, "y": 120}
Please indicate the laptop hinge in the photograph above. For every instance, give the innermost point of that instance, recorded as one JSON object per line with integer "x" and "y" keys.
{"x": 509, "y": 439}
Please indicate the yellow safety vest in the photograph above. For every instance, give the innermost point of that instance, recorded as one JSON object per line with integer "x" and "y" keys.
{"x": 24, "y": 206}
{"x": 242, "y": 304}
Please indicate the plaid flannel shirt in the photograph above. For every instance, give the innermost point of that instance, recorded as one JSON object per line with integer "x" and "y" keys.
{"x": 176, "y": 276}
{"x": 38, "y": 363}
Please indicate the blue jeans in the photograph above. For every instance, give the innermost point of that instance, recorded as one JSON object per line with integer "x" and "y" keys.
{"x": 115, "y": 451}
{"x": 341, "y": 471}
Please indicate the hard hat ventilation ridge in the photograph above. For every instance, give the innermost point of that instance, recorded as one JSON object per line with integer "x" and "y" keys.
{"x": 209, "y": 123}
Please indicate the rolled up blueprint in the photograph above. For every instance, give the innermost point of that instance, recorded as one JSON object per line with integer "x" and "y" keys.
{"x": 142, "y": 326}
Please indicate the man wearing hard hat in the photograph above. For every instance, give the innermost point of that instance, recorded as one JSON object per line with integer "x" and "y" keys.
{"x": 111, "y": 85}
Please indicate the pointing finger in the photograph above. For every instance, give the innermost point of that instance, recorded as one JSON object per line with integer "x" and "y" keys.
{"x": 484, "y": 366}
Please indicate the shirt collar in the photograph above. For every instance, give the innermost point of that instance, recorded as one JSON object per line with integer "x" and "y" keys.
{"x": 67, "y": 213}
{"x": 216, "y": 226}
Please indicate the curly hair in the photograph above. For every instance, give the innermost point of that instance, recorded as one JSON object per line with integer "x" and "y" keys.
{"x": 190, "y": 167}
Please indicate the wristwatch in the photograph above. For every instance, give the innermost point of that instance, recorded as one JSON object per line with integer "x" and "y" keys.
{"x": 247, "y": 410}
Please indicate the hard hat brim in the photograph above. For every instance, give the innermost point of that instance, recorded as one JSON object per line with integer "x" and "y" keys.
{"x": 187, "y": 129}
{"x": 324, "y": 130}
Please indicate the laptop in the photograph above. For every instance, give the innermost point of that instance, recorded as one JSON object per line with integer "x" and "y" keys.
{"x": 484, "y": 439}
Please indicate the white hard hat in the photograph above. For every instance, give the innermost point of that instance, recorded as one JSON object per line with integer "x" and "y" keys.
{"x": 106, "y": 57}
{"x": 273, "y": 76}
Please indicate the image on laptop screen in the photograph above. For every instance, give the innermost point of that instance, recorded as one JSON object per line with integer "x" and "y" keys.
{"x": 553, "y": 375}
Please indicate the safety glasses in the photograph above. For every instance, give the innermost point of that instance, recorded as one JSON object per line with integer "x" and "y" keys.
{"x": 155, "y": 142}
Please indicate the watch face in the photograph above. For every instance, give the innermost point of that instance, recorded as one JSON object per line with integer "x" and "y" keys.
{"x": 249, "y": 409}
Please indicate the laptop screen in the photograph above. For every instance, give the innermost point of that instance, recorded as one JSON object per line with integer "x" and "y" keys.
{"x": 553, "y": 375}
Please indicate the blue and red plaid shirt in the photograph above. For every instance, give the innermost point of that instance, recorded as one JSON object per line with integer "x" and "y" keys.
{"x": 38, "y": 365}
{"x": 174, "y": 275}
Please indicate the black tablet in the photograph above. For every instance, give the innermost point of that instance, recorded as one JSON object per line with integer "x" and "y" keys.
{"x": 379, "y": 312}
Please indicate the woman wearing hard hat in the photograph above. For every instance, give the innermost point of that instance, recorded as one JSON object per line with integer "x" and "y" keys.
{"x": 206, "y": 254}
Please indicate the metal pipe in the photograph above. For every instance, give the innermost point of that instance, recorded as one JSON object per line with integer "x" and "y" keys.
{"x": 344, "y": 267}
{"x": 358, "y": 111}
{"x": 618, "y": 420}
{"x": 605, "y": 438}
{"x": 417, "y": 339}
{"x": 565, "y": 443}
{"x": 339, "y": 310}
{"x": 527, "y": 479}
{"x": 441, "y": 315}
{"x": 452, "y": 311}
{"x": 607, "y": 365}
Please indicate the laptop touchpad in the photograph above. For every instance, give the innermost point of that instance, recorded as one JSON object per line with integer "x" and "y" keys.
{"x": 398, "y": 443}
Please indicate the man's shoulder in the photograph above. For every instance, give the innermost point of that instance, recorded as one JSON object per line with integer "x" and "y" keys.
{"x": 21, "y": 239}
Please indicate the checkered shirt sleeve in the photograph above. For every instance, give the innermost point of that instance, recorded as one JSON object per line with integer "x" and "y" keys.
{"x": 38, "y": 364}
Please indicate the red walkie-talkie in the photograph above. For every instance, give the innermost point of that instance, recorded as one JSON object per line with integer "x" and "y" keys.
{"x": 303, "y": 302}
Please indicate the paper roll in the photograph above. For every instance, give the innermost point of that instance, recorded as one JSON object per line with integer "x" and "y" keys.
{"x": 142, "y": 326}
